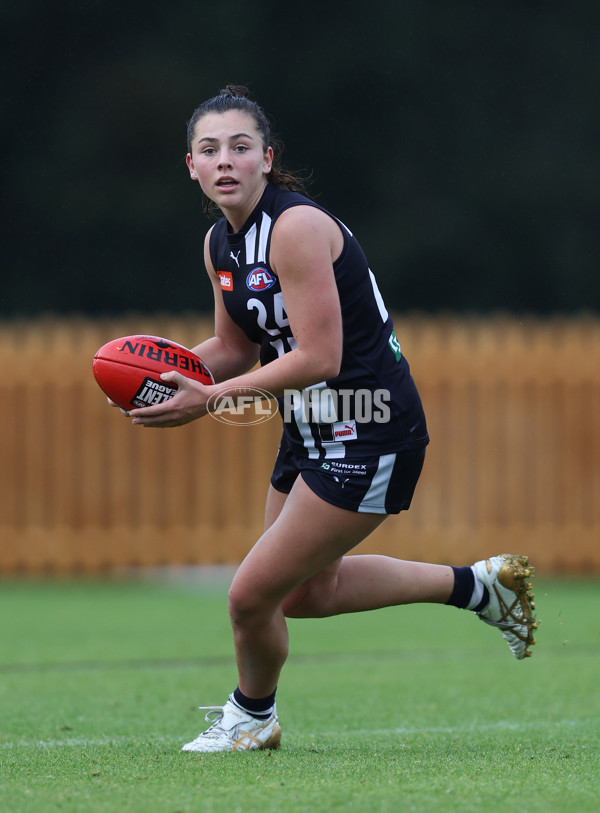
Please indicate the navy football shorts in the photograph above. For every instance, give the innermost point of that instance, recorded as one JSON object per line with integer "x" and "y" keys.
{"x": 384, "y": 484}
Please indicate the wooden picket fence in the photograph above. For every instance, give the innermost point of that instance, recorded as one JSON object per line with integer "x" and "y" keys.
{"x": 513, "y": 408}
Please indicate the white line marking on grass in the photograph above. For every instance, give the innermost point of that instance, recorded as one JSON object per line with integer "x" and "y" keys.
{"x": 81, "y": 742}
{"x": 471, "y": 728}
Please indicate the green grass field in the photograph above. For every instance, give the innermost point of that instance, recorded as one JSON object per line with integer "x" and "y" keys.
{"x": 408, "y": 709}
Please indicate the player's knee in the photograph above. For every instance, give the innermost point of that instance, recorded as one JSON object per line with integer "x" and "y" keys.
{"x": 239, "y": 604}
{"x": 246, "y": 604}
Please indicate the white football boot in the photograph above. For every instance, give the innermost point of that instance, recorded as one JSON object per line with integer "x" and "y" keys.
{"x": 511, "y": 600}
{"x": 233, "y": 729}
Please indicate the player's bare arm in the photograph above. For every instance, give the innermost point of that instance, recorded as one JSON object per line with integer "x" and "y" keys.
{"x": 304, "y": 245}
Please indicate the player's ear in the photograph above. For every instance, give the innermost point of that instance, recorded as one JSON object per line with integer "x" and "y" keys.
{"x": 190, "y": 166}
{"x": 268, "y": 165}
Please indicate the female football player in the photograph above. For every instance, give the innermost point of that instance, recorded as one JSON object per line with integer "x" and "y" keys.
{"x": 293, "y": 290}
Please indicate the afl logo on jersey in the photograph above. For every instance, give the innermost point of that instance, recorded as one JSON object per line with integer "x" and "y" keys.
{"x": 260, "y": 279}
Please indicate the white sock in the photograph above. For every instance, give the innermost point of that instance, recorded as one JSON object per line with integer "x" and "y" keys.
{"x": 478, "y": 592}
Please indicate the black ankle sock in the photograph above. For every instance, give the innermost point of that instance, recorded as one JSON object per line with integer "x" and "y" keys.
{"x": 464, "y": 584}
{"x": 259, "y": 708}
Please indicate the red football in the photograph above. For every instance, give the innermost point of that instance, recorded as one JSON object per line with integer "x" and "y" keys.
{"x": 128, "y": 369}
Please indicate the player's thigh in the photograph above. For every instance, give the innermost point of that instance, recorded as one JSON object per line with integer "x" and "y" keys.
{"x": 308, "y": 535}
{"x": 274, "y": 505}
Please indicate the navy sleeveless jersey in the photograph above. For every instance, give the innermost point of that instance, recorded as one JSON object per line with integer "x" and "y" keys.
{"x": 372, "y": 406}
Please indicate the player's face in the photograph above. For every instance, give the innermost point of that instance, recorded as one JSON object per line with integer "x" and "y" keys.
{"x": 230, "y": 163}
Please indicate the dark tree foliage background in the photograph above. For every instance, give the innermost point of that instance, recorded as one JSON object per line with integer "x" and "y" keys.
{"x": 459, "y": 140}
